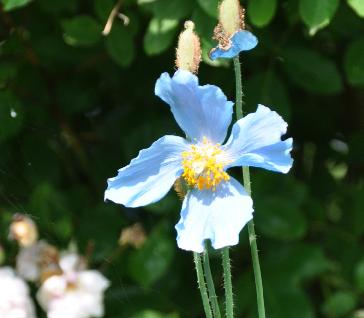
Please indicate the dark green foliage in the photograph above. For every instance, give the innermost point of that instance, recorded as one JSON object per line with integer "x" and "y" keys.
{"x": 76, "y": 105}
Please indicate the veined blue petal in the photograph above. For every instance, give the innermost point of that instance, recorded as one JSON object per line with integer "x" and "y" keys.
{"x": 256, "y": 141}
{"x": 216, "y": 215}
{"x": 149, "y": 176}
{"x": 240, "y": 41}
{"x": 201, "y": 111}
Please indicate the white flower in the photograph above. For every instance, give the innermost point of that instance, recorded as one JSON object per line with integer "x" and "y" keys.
{"x": 77, "y": 293}
{"x": 14, "y": 296}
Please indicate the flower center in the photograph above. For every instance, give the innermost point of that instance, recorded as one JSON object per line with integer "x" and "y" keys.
{"x": 203, "y": 166}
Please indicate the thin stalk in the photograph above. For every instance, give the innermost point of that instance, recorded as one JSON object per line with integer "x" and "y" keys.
{"x": 210, "y": 285}
{"x": 227, "y": 283}
{"x": 247, "y": 186}
{"x": 202, "y": 285}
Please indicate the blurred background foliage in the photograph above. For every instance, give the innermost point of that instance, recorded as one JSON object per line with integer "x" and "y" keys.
{"x": 76, "y": 105}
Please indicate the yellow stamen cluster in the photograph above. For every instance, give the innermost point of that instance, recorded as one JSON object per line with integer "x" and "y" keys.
{"x": 203, "y": 166}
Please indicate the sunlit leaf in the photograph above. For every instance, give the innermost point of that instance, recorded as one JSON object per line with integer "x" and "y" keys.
{"x": 339, "y": 304}
{"x": 103, "y": 8}
{"x": 149, "y": 263}
{"x": 209, "y": 6}
{"x": 159, "y": 35}
{"x": 312, "y": 71}
{"x": 261, "y": 12}
{"x": 357, "y": 6}
{"x": 280, "y": 219}
{"x": 317, "y": 14}
{"x": 119, "y": 44}
{"x": 13, "y": 4}
{"x": 354, "y": 63}
{"x": 81, "y": 31}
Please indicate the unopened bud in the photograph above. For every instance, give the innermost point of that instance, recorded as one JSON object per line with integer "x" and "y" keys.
{"x": 133, "y": 235}
{"x": 23, "y": 230}
{"x": 189, "y": 49}
{"x": 231, "y": 16}
{"x": 231, "y": 20}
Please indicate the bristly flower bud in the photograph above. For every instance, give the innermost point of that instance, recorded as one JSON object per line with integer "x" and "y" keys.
{"x": 231, "y": 20}
{"x": 188, "y": 53}
{"x": 23, "y": 230}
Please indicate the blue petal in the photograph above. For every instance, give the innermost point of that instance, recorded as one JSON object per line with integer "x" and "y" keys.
{"x": 240, "y": 41}
{"x": 149, "y": 176}
{"x": 256, "y": 141}
{"x": 201, "y": 111}
{"x": 216, "y": 215}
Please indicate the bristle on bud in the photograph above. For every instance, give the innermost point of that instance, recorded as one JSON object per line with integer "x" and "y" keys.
{"x": 188, "y": 52}
{"x": 231, "y": 20}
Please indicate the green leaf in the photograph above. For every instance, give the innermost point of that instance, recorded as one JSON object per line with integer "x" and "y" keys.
{"x": 205, "y": 25}
{"x": 357, "y": 6}
{"x": 280, "y": 219}
{"x": 172, "y": 9}
{"x": 149, "y": 263}
{"x": 13, "y": 4}
{"x": 298, "y": 261}
{"x": 339, "y": 304}
{"x": 289, "y": 301}
{"x": 11, "y": 115}
{"x": 317, "y": 14}
{"x": 209, "y": 6}
{"x": 153, "y": 314}
{"x": 145, "y": 2}
{"x": 312, "y": 71}
{"x": 354, "y": 63}
{"x": 52, "y": 210}
{"x": 58, "y": 6}
{"x": 7, "y": 72}
{"x": 103, "y": 8}
{"x": 261, "y": 12}
{"x": 81, "y": 31}
{"x": 159, "y": 35}
{"x": 119, "y": 45}
{"x": 101, "y": 225}
{"x": 359, "y": 275}
{"x": 268, "y": 89}
{"x": 40, "y": 161}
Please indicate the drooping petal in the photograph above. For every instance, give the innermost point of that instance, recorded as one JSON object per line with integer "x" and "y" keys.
{"x": 92, "y": 281}
{"x": 149, "y": 176}
{"x": 216, "y": 215}
{"x": 240, "y": 41}
{"x": 256, "y": 141}
{"x": 201, "y": 111}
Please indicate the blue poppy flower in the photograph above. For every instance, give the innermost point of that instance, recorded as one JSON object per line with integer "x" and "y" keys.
{"x": 240, "y": 41}
{"x": 216, "y": 207}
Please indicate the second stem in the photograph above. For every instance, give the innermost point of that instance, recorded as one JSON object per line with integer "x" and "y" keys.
{"x": 246, "y": 177}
